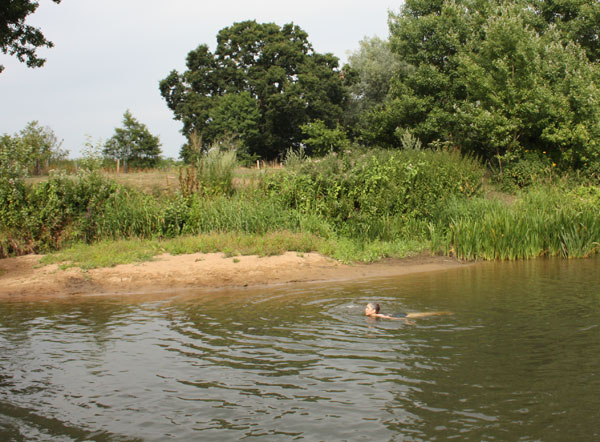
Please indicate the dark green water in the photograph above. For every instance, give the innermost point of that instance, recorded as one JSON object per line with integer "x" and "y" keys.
{"x": 518, "y": 360}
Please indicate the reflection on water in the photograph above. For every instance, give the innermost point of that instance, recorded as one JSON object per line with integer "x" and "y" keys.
{"x": 518, "y": 359}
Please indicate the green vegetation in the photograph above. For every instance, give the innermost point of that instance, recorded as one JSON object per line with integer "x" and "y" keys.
{"x": 496, "y": 79}
{"x": 111, "y": 253}
{"x": 356, "y": 206}
{"x": 541, "y": 222}
{"x": 34, "y": 148}
{"x": 17, "y": 38}
{"x": 133, "y": 144}
{"x": 473, "y": 131}
{"x": 261, "y": 84}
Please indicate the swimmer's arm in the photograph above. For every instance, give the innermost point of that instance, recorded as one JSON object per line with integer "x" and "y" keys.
{"x": 393, "y": 318}
{"x": 382, "y": 316}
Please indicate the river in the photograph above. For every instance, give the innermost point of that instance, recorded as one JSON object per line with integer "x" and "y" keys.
{"x": 518, "y": 359}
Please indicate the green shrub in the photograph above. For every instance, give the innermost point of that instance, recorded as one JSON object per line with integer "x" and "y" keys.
{"x": 531, "y": 169}
{"x": 54, "y": 212}
{"x": 376, "y": 195}
{"x": 321, "y": 140}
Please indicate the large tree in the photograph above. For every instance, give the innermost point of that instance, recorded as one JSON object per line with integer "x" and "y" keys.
{"x": 371, "y": 68}
{"x": 496, "y": 78}
{"x": 17, "y": 38}
{"x": 133, "y": 144}
{"x": 262, "y": 83}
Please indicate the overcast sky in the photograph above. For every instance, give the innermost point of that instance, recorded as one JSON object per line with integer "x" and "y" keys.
{"x": 110, "y": 55}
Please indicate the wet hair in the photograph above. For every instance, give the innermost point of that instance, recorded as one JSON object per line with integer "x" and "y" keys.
{"x": 374, "y": 306}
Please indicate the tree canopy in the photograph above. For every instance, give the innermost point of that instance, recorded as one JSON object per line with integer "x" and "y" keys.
{"x": 496, "y": 78}
{"x": 370, "y": 71}
{"x": 133, "y": 144}
{"x": 262, "y": 83}
{"x": 17, "y": 38}
{"x": 35, "y": 146}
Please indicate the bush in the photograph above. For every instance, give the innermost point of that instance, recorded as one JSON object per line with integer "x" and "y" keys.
{"x": 377, "y": 194}
{"x": 532, "y": 168}
{"x": 321, "y": 140}
{"x": 54, "y": 212}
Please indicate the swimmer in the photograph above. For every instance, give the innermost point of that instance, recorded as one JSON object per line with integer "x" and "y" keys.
{"x": 372, "y": 311}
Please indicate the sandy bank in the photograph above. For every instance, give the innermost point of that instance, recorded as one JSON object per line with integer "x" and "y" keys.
{"x": 23, "y": 277}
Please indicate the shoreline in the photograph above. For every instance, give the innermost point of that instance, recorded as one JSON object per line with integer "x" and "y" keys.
{"x": 23, "y": 278}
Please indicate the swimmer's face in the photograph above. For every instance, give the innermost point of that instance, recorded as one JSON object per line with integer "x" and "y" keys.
{"x": 369, "y": 311}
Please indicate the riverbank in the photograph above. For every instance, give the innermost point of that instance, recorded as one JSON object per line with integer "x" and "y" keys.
{"x": 25, "y": 278}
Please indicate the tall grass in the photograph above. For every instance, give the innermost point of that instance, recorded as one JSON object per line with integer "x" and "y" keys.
{"x": 541, "y": 222}
{"x": 211, "y": 174}
{"x": 362, "y": 206}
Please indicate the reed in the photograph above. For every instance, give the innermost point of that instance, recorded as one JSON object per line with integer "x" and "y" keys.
{"x": 239, "y": 213}
{"x": 541, "y": 222}
{"x": 215, "y": 171}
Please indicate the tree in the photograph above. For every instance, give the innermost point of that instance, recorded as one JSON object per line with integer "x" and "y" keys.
{"x": 373, "y": 66}
{"x": 43, "y": 145}
{"x": 495, "y": 78}
{"x": 38, "y": 146}
{"x": 261, "y": 84}
{"x": 17, "y": 38}
{"x": 577, "y": 20}
{"x": 426, "y": 34}
{"x": 133, "y": 144}
{"x": 320, "y": 140}
{"x": 529, "y": 92}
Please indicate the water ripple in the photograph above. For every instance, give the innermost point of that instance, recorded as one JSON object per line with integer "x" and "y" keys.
{"x": 304, "y": 363}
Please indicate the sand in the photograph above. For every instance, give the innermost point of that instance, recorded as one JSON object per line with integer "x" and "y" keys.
{"x": 24, "y": 278}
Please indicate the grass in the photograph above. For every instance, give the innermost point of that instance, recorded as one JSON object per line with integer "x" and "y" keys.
{"x": 166, "y": 181}
{"x": 104, "y": 254}
{"x": 357, "y": 208}
{"x": 540, "y": 222}
{"x": 112, "y": 253}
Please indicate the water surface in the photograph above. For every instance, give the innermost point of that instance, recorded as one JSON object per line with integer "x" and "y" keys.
{"x": 518, "y": 360}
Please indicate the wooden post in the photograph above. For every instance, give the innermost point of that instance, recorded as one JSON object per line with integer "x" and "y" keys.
{"x": 258, "y": 164}
{"x": 118, "y": 164}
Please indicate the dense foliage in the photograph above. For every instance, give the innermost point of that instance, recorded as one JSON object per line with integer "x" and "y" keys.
{"x": 370, "y": 71}
{"x": 380, "y": 194}
{"x": 541, "y": 222}
{"x": 361, "y": 205}
{"x": 17, "y": 38}
{"x": 496, "y": 79}
{"x": 261, "y": 84}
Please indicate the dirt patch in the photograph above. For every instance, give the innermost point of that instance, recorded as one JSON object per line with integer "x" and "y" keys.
{"x": 24, "y": 277}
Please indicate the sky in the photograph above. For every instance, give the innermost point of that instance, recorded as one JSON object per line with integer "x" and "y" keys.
{"x": 109, "y": 57}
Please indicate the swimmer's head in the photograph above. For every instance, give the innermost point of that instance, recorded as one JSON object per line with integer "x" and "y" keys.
{"x": 372, "y": 308}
